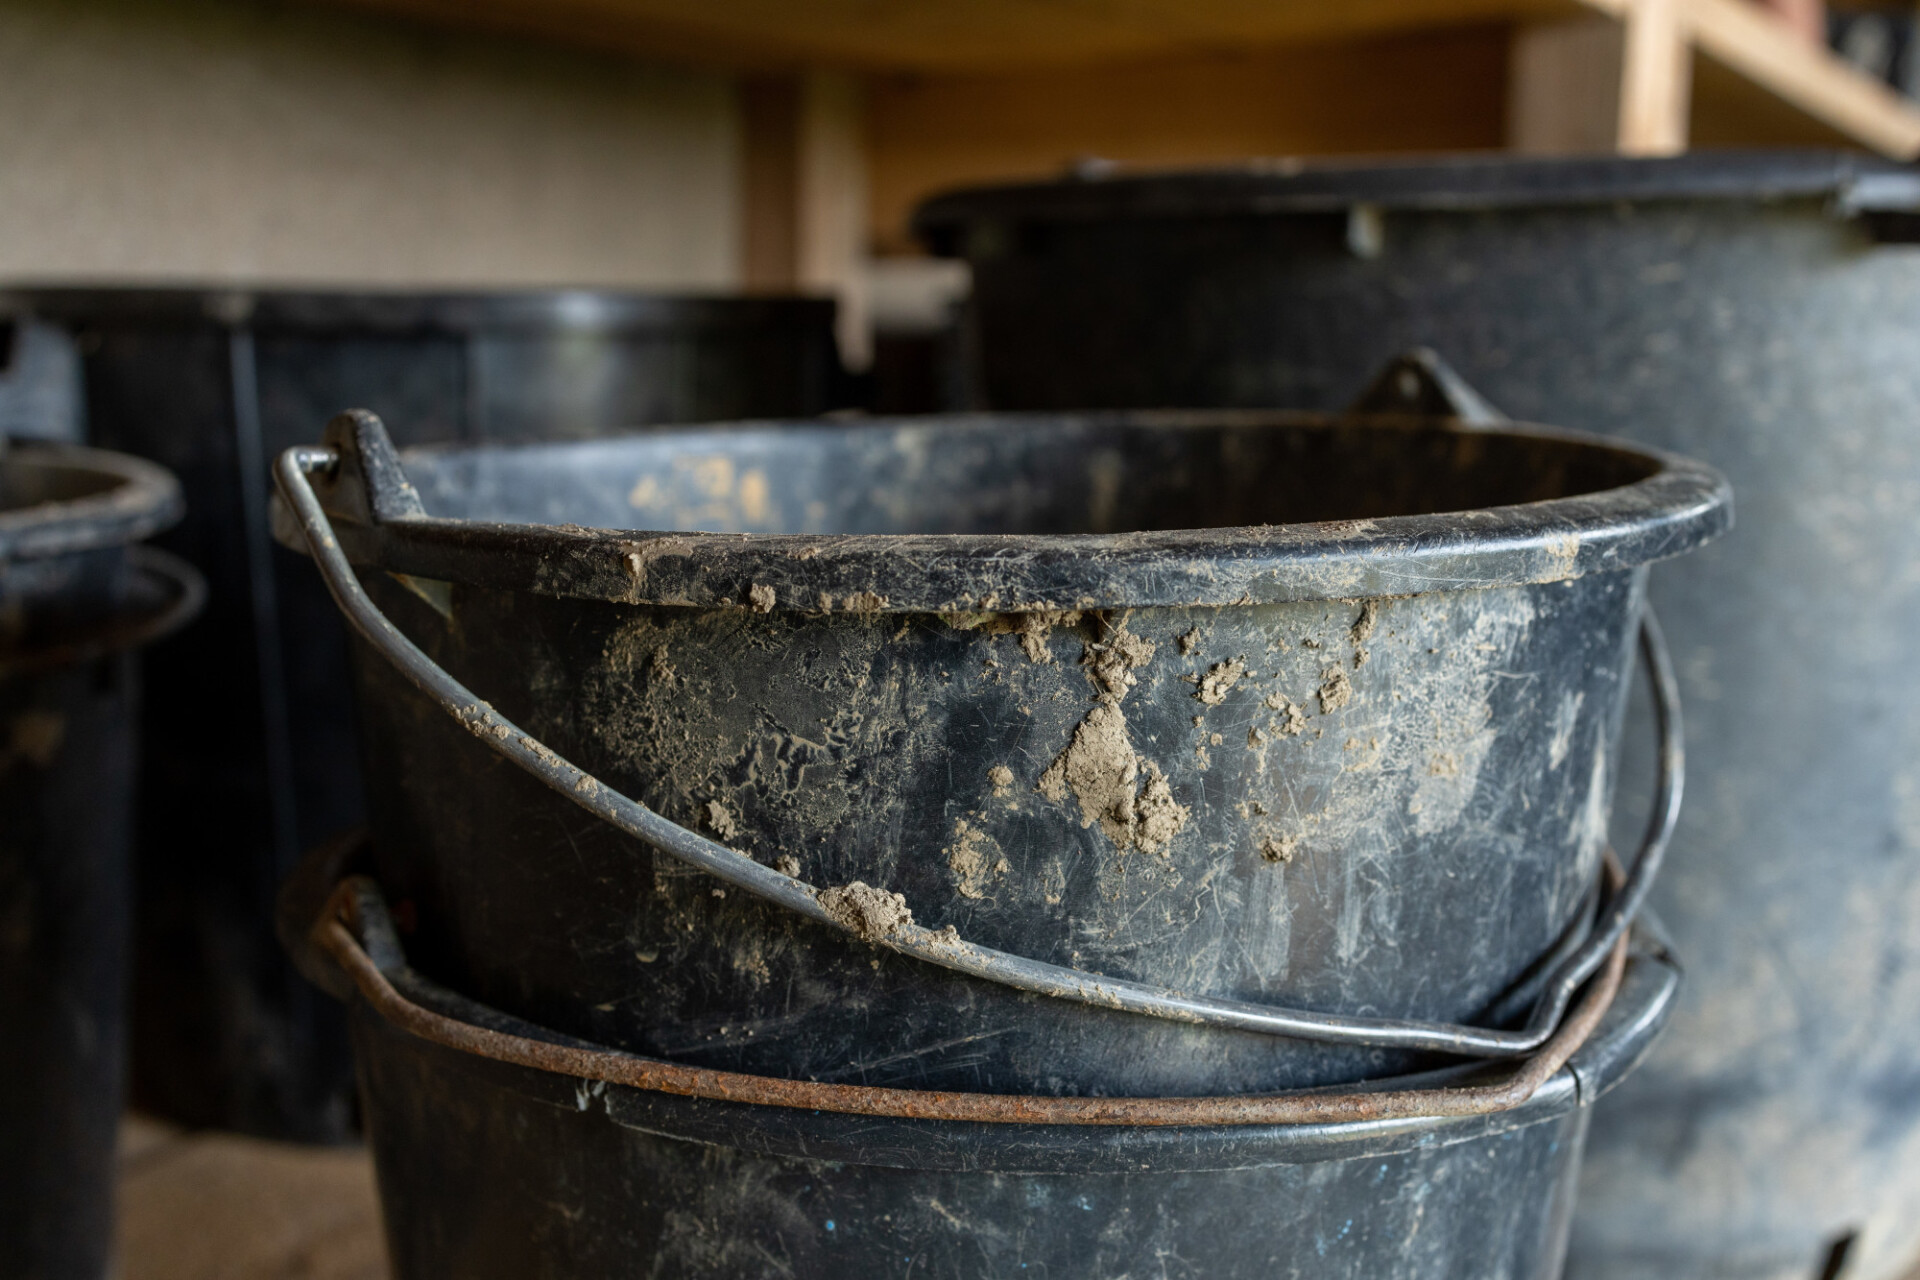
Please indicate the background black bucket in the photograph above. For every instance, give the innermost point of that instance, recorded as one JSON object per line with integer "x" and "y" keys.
{"x": 1761, "y": 311}
{"x": 76, "y": 598}
{"x": 250, "y": 749}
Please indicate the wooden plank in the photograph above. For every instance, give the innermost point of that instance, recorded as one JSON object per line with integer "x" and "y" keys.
{"x": 803, "y": 195}
{"x": 1762, "y": 49}
{"x": 1432, "y": 91}
{"x": 954, "y": 35}
{"x": 1563, "y": 89}
{"x": 1655, "y": 63}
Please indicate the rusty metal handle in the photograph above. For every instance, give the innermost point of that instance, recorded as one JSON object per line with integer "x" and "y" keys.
{"x": 945, "y": 947}
{"x": 356, "y": 908}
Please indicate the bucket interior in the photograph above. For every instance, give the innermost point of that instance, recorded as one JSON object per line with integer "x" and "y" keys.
{"x": 25, "y": 484}
{"x": 1018, "y": 477}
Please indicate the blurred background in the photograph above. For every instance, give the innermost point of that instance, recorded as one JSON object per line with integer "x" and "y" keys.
{"x": 762, "y": 147}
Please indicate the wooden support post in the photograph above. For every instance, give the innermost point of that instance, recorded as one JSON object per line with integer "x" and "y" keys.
{"x": 1618, "y": 82}
{"x": 804, "y": 195}
{"x": 1656, "y": 67}
{"x": 1563, "y": 87}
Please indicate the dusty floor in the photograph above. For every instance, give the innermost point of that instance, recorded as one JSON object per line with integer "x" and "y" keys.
{"x": 217, "y": 1207}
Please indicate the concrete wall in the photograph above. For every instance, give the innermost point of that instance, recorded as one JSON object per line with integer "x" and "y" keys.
{"x": 244, "y": 141}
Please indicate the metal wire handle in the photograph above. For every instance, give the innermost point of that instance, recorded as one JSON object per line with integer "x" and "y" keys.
{"x": 943, "y": 948}
{"x": 356, "y": 932}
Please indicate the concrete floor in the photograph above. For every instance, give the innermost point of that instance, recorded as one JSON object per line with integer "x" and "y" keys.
{"x": 209, "y": 1206}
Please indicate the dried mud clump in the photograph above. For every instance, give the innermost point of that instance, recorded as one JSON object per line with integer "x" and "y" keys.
{"x": 1002, "y": 779}
{"x": 1336, "y": 690}
{"x": 762, "y": 599}
{"x": 721, "y": 821}
{"x": 974, "y": 857}
{"x": 1364, "y": 624}
{"x": 865, "y": 911}
{"x": 1114, "y": 661}
{"x": 1292, "y": 719}
{"x": 1279, "y": 848}
{"x": 1100, "y": 770}
{"x": 787, "y": 865}
{"x": 1220, "y": 678}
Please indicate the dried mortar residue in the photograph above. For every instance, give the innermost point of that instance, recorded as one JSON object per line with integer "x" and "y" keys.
{"x": 787, "y": 865}
{"x": 865, "y": 911}
{"x": 1336, "y": 690}
{"x": 762, "y": 599}
{"x": 1002, "y": 779}
{"x": 1279, "y": 848}
{"x": 1220, "y": 678}
{"x": 1126, "y": 794}
{"x": 1188, "y": 640}
{"x": 1031, "y": 628}
{"x": 1292, "y": 719}
{"x": 1113, "y": 662}
{"x": 721, "y": 821}
{"x": 974, "y": 856}
{"x": 1364, "y": 624}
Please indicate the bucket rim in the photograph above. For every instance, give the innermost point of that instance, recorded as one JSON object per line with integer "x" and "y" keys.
{"x": 1628, "y": 1030}
{"x": 137, "y": 499}
{"x": 1467, "y": 181}
{"x": 1679, "y": 504}
{"x": 377, "y": 311}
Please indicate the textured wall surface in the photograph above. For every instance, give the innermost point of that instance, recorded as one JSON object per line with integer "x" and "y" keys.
{"x": 247, "y": 141}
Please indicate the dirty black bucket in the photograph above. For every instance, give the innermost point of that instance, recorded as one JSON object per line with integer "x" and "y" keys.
{"x": 1213, "y": 730}
{"x": 492, "y": 1168}
{"x": 76, "y": 599}
{"x": 250, "y": 750}
{"x": 1761, "y": 311}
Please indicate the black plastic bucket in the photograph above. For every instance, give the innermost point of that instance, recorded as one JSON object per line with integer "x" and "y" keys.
{"x": 1761, "y": 311}
{"x": 250, "y": 750}
{"x": 491, "y": 1169}
{"x": 1224, "y": 790}
{"x": 76, "y": 598}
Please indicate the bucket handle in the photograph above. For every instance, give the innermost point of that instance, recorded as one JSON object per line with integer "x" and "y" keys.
{"x": 356, "y": 932}
{"x": 945, "y": 947}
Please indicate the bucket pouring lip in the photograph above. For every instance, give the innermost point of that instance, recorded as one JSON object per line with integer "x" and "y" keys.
{"x": 111, "y": 499}
{"x": 381, "y": 522}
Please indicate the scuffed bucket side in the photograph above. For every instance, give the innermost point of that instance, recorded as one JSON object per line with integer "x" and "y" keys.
{"x": 66, "y": 779}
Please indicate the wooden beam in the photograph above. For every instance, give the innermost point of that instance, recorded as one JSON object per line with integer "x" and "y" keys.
{"x": 1655, "y": 66}
{"x": 1747, "y": 40}
{"x": 803, "y": 194}
{"x": 1563, "y": 87}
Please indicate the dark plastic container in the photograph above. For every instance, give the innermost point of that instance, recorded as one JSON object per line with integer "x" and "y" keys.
{"x": 1760, "y": 311}
{"x": 494, "y": 1170}
{"x": 76, "y": 598}
{"x": 1258, "y": 708}
{"x": 250, "y": 751}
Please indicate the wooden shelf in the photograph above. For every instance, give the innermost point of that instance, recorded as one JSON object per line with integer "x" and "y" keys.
{"x": 1009, "y": 37}
{"x": 943, "y": 36}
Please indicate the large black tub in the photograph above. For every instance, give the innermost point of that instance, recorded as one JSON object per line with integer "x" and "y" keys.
{"x": 1760, "y": 311}
{"x": 1067, "y": 757}
{"x": 249, "y": 751}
